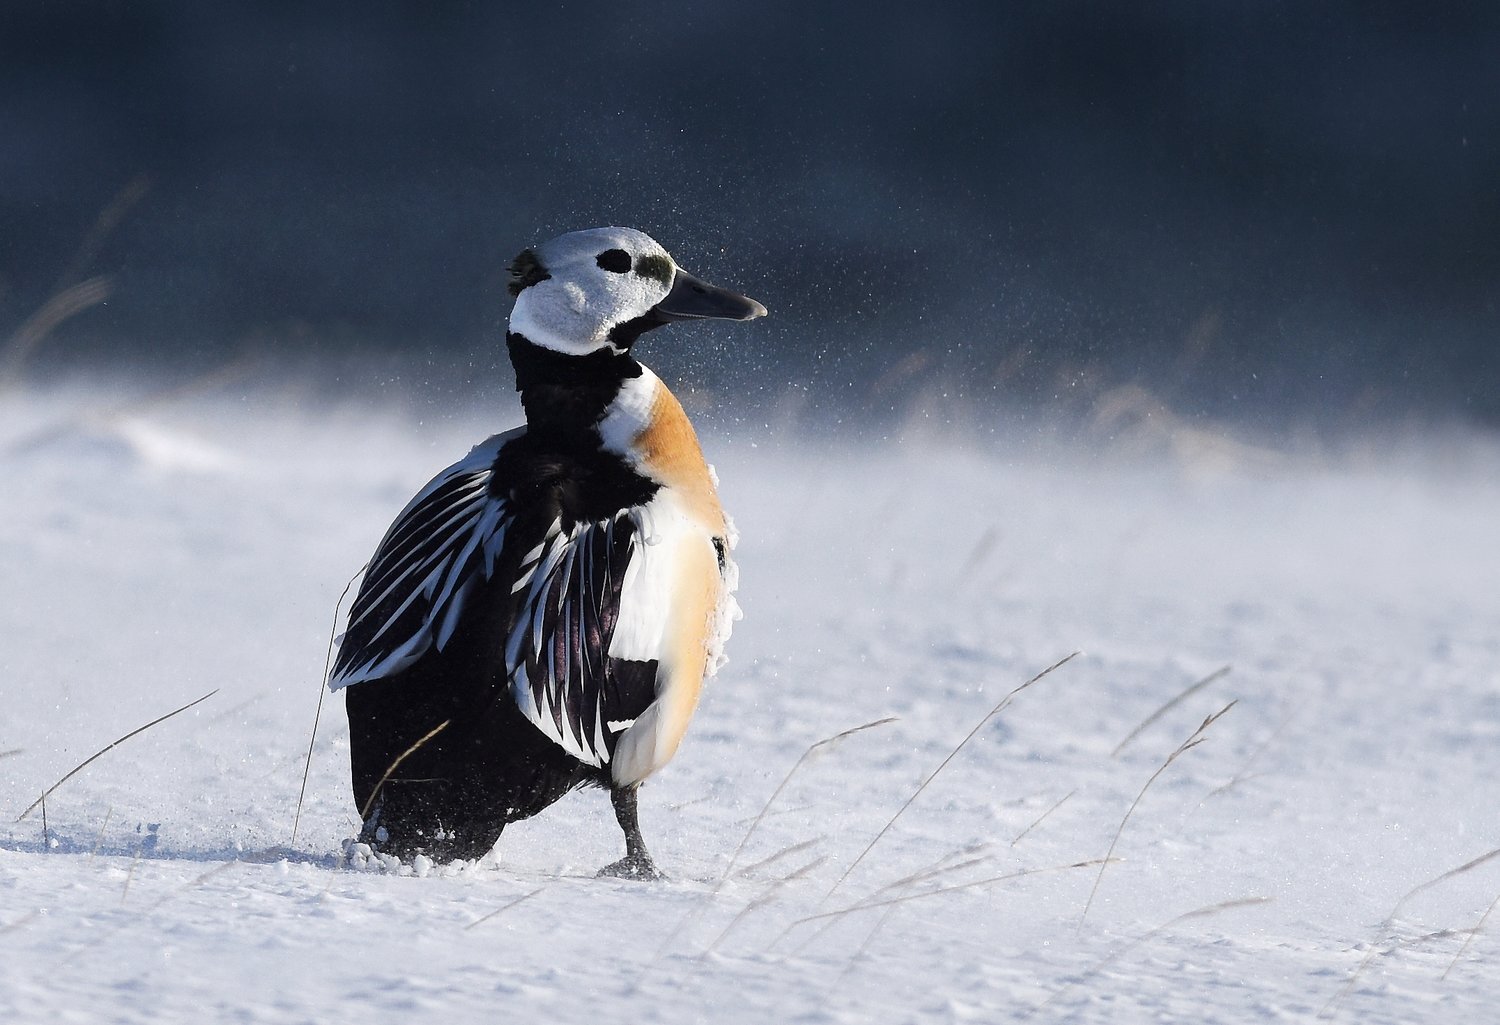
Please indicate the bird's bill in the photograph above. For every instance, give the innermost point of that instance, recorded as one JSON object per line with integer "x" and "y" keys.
{"x": 691, "y": 299}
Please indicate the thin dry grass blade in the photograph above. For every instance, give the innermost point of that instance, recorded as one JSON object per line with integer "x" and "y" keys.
{"x": 763, "y": 900}
{"x": 192, "y": 884}
{"x": 794, "y": 809}
{"x": 364, "y": 813}
{"x": 1385, "y": 926}
{"x": 1186, "y": 746}
{"x": 981, "y": 551}
{"x": 153, "y": 908}
{"x": 1244, "y": 774}
{"x": 1478, "y": 928}
{"x": 140, "y": 850}
{"x": 1042, "y": 818}
{"x": 1377, "y": 951}
{"x": 230, "y": 372}
{"x": 1155, "y": 716}
{"x": 34, "y": 330}
{"x": 100, "y": 835}
{"x": 990, "y": 881}
{"x": 322, "y": 690}
{"x": 688, "y": 804}
{"x": 19, "y": 922}
{"x": 864, "y": 946}
{"x": 1099, "y": 966}
{"x": 109, "y": 747}
{"x": 504, "y": 908}
{"x": 105, "y": 224}
{"x": 785, "y": 852}
{"x": 931, "y": 872}
{"x": 813, "y": 749}
{"x": 1000, "y": 707}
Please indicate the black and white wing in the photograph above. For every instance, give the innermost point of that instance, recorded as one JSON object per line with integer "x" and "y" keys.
{"x": 562, "y": 676}
{"x": 455, "y": 539}
{"x": 445, "y": 544}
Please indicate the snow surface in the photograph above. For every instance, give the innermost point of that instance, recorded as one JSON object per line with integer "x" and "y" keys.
{"x": 150, "y": 557}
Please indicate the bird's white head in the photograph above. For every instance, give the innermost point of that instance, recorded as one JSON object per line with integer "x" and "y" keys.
{"x": 599, "y": 289}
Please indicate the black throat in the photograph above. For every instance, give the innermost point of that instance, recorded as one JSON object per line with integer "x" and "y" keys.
{"x": 564, "y": 393}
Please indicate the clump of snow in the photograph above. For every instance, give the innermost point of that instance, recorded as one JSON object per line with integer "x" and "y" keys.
{"x": 1353, "y": 599}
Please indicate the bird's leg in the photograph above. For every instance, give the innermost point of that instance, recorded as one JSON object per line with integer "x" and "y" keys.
{"x": 637, "y": 863}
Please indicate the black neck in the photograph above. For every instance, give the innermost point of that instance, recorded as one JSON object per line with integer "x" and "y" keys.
{"x": 566, "y": 393}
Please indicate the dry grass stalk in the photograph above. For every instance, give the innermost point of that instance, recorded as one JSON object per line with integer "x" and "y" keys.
{"x": 34, "y": 330}
{"x": 19, "y": 922}
{"x": 1042, "y": 818}
{"x": 982, "y": 550}
{"x": 1377, "y": 951}
{"x": 813, "y": 749}
{"x": 680, "y": 805}
{"x": 504, "y": 908}
{"x": 364, "y": 813}
{"x": 1384, "y": 928}
{"x": 1478, "y": 928}
{"x": 140, "y": 850}
{"x": 110, "y": 218}
{"x": 153, "y": 908}
{"x": 1155, "y": 716}
{"x": 227, "y": 374}
{"x": 999, "y": 707}
{"x": 990, "y": 881}
{"x": 70, "y": 296}
{"x": 940, "y": 868}
{"x": 932, "y": 872}
{"x": 322, "y": 690}
{"x": 764, "y": 899}
{"x": 792, "y": 810}
{"x": 865, "y": 945}
{"x": 1187, "y": 745}
{"x": 1097, "y": 967}
{"x": 1244, "y": 773}
{"x": 109, "y": 747}
{"x": 100, "y": 835}
{"x": 191, "y": 885}
{"x": 785, "y": 852}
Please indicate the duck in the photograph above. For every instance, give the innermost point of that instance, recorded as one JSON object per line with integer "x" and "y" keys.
{"x": 543, "y": 614}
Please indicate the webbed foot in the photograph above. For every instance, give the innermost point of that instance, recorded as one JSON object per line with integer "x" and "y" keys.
{"x": 632, "y": 866}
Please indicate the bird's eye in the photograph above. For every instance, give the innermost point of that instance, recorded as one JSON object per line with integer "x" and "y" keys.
{"x": 614, "y": 260}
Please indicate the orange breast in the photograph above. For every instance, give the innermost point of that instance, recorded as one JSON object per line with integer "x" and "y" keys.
{"x": 668, "y": 450}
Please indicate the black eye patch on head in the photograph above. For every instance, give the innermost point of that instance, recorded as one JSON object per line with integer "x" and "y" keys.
{"x": 615, "y": 260}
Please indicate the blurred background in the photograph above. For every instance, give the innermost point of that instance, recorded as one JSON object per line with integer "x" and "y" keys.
{"x": 1269, "y": 216}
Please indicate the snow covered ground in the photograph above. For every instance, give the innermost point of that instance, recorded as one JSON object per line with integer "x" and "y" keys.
{"x": 148, "y": 558}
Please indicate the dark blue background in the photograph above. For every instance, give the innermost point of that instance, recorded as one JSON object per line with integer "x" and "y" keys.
{"x": 1259, "y": 210}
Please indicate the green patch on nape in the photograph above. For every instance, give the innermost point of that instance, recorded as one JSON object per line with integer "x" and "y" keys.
{"x": 525, "y": 271}
{"x": 655, "y": 266}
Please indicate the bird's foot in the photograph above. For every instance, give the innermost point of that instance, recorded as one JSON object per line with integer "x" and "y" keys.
{"x": 632, "y": 866}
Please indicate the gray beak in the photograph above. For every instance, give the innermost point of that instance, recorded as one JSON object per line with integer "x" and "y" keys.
{"x": 691, "y": 299}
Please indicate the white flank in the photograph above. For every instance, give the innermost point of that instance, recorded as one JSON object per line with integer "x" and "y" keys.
{"x": 728, "y": 612}
{"x": 647, "y": 600}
